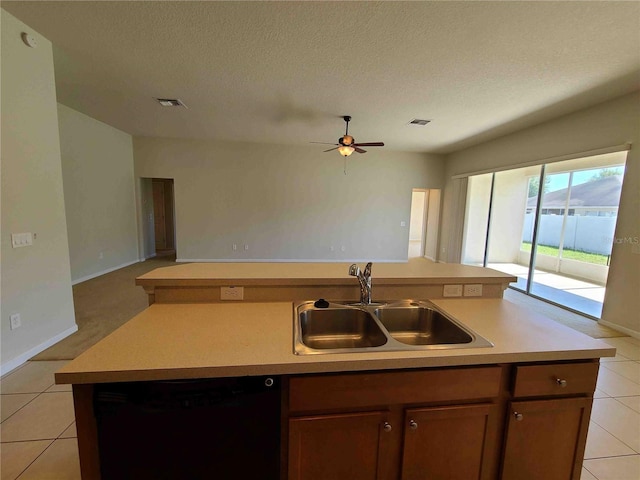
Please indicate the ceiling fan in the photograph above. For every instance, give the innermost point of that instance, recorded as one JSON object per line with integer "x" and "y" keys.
{"x": 347, "y": 145}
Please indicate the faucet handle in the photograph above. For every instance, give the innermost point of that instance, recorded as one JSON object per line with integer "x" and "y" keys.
{"x": 367, "y": 270}
{"x": 354, "y": 270}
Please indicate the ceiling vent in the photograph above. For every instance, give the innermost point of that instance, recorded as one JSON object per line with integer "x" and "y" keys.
{"x": 417, "y": 121}
{"x": 171, "y": 102}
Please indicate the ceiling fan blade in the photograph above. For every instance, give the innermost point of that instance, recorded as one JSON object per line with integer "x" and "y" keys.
{"x": 324, "y": 143}
{"x": 368, "y": 144}
{"x": 359, "y": 150}
{"x": 331, "y": 149}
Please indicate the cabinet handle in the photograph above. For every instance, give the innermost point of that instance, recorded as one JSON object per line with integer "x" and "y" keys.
{"x": 518, "y": 416}
{"x": 387, "y": 427}
{"x": 413, "y": 425}
{"x": 561, "y": 382}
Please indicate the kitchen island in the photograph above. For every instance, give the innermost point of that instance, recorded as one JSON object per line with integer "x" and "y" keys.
{"x": 417, "y": 278}
{"x": 512, "y": 410}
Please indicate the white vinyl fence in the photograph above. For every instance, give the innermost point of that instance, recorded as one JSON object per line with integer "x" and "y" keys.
{"x": 582, "y": 233}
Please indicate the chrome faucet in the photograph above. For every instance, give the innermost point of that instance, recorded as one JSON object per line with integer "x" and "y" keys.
{"x": 365, "y": 282}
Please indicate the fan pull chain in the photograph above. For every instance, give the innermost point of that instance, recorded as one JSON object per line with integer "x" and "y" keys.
{"x": 345, "y": 165}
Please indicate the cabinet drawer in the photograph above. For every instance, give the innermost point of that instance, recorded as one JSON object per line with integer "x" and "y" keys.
{"x": 372, "y": 389}
{"x": 555, "y": 379}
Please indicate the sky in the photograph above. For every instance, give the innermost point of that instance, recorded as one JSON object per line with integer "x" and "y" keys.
{"x": 559, "y": 181}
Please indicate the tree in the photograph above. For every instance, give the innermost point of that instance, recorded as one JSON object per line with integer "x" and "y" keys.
{"x": 534, "y": 186}
{"x": 607, "y": 172}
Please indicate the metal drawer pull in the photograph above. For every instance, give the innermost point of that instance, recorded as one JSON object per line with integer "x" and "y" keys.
{"x": 413, "y": 425}
{"x": 387, "y": 427}
{"x": 518, "y": 416}
{"x": 561, "y": 382}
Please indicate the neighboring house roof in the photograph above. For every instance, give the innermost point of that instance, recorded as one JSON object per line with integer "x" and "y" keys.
{"x": 604, "y": 192}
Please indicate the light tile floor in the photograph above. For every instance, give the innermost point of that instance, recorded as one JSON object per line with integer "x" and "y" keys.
{"x": 38, "y": 437}
{"x": 37, "y": 433}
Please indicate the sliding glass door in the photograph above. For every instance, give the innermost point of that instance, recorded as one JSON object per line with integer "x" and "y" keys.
{"x": 551, "y": 226}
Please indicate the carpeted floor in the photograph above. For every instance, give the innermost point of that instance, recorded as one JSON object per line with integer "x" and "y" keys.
{"x": 105, "y": 303}
{"x": 102, "y": 304}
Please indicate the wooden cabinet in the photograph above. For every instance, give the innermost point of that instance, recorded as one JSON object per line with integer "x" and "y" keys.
{"x": 546, "y": 437}
{"x": 514, "y": 422}
{"x": 331, "y": 447}
{"x": 448, "y": 442}
{"x": 385, "y": 426}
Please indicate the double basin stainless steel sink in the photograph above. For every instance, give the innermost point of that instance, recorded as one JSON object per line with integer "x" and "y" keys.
{"x": 388, "y": 326}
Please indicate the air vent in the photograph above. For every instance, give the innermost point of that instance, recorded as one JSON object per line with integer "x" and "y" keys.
{"x": 417, "y": 121}
{"x": 171, "y": 102}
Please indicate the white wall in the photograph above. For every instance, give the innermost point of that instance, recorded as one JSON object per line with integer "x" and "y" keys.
{"x": 508, "y": 207}
{"x": 476, "y": 219}
{"x": 416, "y": 222}
{"x": 287, "y": 202}
{"x": 36, "y": 280}
{"x": 608, "y": 124}
{"x": 433, "y": 225}
{"x": 99, "y": 194}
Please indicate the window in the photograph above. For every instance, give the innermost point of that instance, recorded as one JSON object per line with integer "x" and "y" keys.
{"x": 560, "y": 254}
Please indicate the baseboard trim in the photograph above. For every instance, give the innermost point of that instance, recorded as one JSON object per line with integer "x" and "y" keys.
{"x": 287, "y": 260}
{"x": 103, "y": 272}
{"x": 619, "y": 328}
{"x": 20, "y": 359}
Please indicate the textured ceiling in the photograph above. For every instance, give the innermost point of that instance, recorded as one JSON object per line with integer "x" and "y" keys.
{"x": 284, "y": 72}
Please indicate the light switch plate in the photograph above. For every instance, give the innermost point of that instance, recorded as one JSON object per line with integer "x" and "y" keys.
{"x": 452, "y": 291}
{"x": 21, "y": 239}
{"x": 16, "y": 322}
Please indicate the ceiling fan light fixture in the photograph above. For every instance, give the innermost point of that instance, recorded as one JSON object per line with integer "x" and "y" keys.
{"x": 346, "y": 140}
{"x": 346, "y": 150}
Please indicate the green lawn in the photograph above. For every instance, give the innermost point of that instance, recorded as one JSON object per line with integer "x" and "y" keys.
{"x": 569, "y": 254}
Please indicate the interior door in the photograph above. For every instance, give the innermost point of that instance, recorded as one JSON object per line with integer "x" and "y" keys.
{"x": 159, "y": 216}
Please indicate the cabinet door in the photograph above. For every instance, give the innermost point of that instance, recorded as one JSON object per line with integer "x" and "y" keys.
{"x": 448, "y": 442}
{"x": 546, "y": 439}
{"x": 338, "y": 447}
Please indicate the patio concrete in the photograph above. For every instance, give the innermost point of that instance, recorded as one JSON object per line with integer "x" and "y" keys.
{"x": 573, "y": 293}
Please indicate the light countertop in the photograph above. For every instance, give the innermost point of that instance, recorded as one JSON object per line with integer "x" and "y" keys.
{"x": 418, "y": 270}
{"x": 177, "y": 341}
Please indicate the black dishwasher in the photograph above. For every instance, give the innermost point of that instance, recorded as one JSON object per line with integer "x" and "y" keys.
{"x": 194, "y": 429}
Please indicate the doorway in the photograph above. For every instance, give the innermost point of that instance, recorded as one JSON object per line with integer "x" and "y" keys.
{"x": 163, "y": 216}
{"x": 423, "y": 227}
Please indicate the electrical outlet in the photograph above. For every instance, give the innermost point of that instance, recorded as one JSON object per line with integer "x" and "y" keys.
{"x": 452, "y": 291}
{"x": 16, "y": 322}
{"x": 231, "y": 293}
{"x": 246, "y": 246}
{"x": 473, "y": 290}
{"x": 234, "y": 247}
